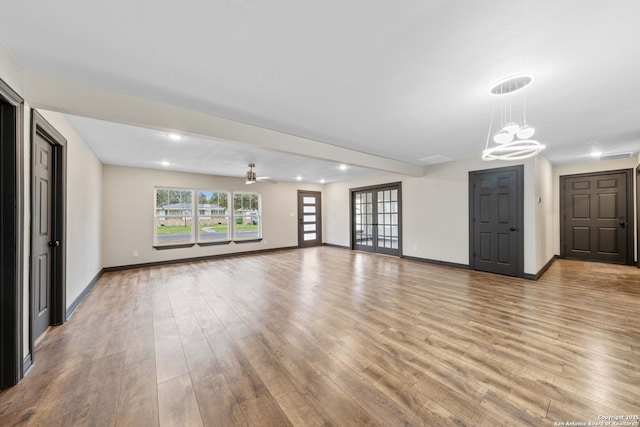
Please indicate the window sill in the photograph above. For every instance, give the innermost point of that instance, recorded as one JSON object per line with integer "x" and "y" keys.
{"x": 248, "y": 241}
{"x": 184, "y": 245}
{"x": 221, "y": 242}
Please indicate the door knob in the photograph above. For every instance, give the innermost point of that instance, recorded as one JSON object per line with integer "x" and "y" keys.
{"x": 622, "y": 222}
{"x": 54, "y": 243}
{"x": 514, "y": 228}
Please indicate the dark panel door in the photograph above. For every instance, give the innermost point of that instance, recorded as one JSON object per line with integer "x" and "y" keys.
{"x": 376, "y": 222}
{"x": 596, "y": 225}
{"x": 309, "y": 219}
{"x": 42, "y": 229}
{"x": 496, "y": 239}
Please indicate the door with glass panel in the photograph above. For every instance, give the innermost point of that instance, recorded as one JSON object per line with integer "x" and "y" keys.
{"x": 376, "y": 222}
{"x": 309, "y": 219}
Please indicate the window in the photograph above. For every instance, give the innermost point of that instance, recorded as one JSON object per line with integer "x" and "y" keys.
{"x": 246, "y": 216}
{"x": 177, "y": 210}
{"x": 213, "y": 217}
{"x": 173, "y": 217}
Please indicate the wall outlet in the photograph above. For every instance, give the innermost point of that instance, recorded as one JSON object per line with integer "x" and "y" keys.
{"x": 135, "y": 253}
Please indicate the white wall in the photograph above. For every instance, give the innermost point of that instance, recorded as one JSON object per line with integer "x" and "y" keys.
{"x": 128, "y": 214}
{"x": 436, "y": 211}
{"x": 577, "y": 168}
{"x": 11, "y": 71}
{"x": 84, "y": 209}
{"x": 544, "y": 203}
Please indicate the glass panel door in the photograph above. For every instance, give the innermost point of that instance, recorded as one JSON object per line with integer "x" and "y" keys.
{"x": 309, "y": 219}
{"x": 376, "y": 221}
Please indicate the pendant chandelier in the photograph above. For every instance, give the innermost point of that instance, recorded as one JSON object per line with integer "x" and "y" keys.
{"x": 512, "y": 141}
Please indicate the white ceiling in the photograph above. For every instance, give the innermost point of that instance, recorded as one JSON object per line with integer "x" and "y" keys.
{"x": 399, "y": 79}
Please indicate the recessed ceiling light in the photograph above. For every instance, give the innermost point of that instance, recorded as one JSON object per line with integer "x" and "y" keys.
{"x": 596, "y": 153}
{"x": 299, "y": 178}
{"x": 175, "y": 137}
{"x": 322, "y": 181}
{"x": 343, "y": 167}
{"x": 165, "y": 163}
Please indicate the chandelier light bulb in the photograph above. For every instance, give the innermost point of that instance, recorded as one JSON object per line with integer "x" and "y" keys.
{"x": 511, "y": 127}
{"x": 525, "y": 132}
{"x": 503, "y": 137}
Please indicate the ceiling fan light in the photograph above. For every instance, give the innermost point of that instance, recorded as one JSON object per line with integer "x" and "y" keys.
{"x": 525, "y": 132}
{"x": 503, "y": 137}
{"x": 511, "y": 127}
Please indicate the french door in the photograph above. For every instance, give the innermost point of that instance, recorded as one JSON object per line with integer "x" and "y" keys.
{"x": 376, "y": 223}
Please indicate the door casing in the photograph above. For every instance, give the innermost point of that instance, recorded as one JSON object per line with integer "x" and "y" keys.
{"x": 40, "y": 127}
{"x": 638, "y": 216}
{"x": 12, "y": 366}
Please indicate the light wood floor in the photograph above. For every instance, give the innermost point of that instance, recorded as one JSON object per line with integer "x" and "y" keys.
{"x": 325, "y": 336}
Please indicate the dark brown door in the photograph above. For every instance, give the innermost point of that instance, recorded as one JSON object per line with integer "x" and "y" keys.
{"x": 309, "y": 218}
{"x": 42, "y": 229}
{"x": 595, "y": 217}
{"x": 497, "y": 215}
{"x": 376, "y": 222}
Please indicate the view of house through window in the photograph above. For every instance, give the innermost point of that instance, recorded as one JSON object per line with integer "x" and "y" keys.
{"x": 174, "y": 217}
{"x": 213, "y": 219}
{"x": 246, "y": 214}
{"x": 177, "y": 210}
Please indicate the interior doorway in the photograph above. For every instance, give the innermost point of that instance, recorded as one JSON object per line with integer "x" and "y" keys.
{"x": 11, "y": 236}
{"x": 496, "y": 218}
{"x": 47, "y": 266}
{"x": 596, "y": 212}
{"x": 309, "y": 218}
{"x": 376, "y": 219}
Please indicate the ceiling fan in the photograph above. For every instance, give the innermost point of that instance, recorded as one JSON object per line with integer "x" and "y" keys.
{"x": 251, "y": 178}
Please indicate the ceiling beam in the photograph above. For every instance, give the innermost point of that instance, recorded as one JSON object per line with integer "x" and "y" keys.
{"x": 64, "y": 96}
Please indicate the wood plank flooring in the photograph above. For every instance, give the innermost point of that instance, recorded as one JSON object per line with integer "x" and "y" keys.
{"x": 325, "y": 336}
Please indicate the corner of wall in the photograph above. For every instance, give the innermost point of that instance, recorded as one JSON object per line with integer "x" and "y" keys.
{"x": 11, "y": 71}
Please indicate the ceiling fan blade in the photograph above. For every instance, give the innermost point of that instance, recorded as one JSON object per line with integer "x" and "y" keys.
{"x": 266, "y": 179}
